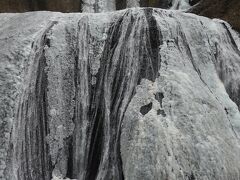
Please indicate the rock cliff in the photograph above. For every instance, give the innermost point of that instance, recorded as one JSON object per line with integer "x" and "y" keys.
{"x": 138, "y": 94}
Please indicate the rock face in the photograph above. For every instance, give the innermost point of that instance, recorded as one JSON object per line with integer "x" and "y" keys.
{"x": 223, "y": 9}
{"x": 137, "y": 94}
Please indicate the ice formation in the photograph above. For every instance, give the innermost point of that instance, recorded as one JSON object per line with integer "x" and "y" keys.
{"x": 138, "y": 94}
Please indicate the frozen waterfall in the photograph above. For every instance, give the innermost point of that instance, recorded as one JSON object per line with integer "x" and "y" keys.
{"x": 136, "y": 94}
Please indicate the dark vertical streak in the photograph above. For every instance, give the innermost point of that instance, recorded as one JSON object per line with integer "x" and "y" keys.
{"x": 31, "y": 151}
{"x": 150, "y": 62}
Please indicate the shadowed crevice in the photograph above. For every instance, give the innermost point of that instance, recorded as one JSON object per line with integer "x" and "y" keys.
{"x": 145, "y": 109}
{"x": 161, "y": 112}
{"x": 159, "y": 97}
{"x": 150, "y": 60}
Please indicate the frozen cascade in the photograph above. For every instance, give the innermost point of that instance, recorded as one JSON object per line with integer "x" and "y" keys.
{"x": 165, "y": 4}
{"x": 98, "y": 5}
{"x": 137, "y": 94}
{"x": 180, "y": 4}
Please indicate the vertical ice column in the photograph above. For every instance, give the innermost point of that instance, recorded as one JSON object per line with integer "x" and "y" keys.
{"x": 88, "y": 6}
{"x": 96, "y": 6}
{"x": 133, "y": 3}
{"x": 180, "y": 4}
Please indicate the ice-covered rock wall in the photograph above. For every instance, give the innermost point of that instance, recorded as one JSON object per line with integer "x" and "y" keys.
{"x": 165, "y": 4}
{"x": 98, "y": 5}
{"x": 139, "y": 94}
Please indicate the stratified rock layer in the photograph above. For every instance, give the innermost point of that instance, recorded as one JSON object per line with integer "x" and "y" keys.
{"x": 136, "y": 94}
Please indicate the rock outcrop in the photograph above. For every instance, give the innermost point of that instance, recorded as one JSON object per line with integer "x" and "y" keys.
{"x": 227, "y": 10}
{"x": 139, "y": 94}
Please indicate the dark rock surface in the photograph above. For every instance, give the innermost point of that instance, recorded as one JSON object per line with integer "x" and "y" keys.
{"x": 40, "y": 5}
{"x": 228, "y": 10}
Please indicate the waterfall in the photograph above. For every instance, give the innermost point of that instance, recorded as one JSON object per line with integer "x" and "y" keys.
{"x": 98, "y": 5}
{"x": 180, "y": 4}
{"x": 140, "y": 93}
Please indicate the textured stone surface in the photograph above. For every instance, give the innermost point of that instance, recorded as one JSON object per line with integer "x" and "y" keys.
{"x": 228, "y": 10}
{"x": 137, "y": 94}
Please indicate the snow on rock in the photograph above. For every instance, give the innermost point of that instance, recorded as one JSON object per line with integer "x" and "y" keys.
{"x": 135, "y": 94}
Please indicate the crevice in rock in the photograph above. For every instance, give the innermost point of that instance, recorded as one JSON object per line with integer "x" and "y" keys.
{"x": 47, "y": 42}
{"x": 96, "y": 145}
{"x": 70, "y": 159}
{"x": 150, "y": 62}
{"x": 41, "y": 95}
{"x": 161, "y": 112}
{"x": 159, "y": 97}
{"x": 226, "y": 110}
{"x": 145, "y": 109}
{"x": 191, "y": 177}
